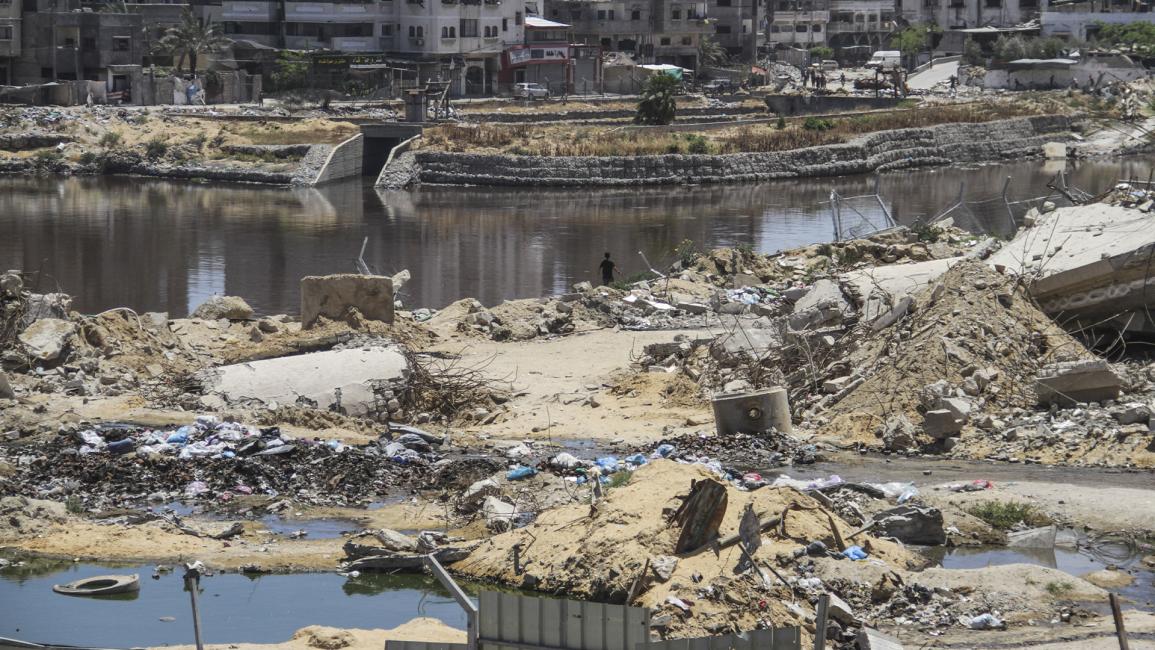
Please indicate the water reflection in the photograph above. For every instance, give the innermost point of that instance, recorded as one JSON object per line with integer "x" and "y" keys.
{"x": 160, "y": 245}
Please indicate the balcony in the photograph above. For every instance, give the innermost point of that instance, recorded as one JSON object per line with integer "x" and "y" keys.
{"x": 263, "y": 12}
{"x": 332, "y": 12}
{"x": 354, "y": 44}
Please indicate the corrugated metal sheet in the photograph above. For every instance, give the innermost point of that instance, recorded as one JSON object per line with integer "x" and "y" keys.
{"x": 787, "y": 638}
{"x": 512, "y": 622}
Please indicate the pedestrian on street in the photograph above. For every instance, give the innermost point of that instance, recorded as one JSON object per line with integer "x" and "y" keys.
{"x": 608, "y": 269}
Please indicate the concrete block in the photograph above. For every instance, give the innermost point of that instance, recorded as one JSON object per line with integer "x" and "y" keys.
{"x": 47, "y": 338}
{"x": 833, "y": 386}
{"x": 332, "y": 295}
{"x": 911, "y": 525}
{"x": 692, "y": 307}
{"x": 752, "y": 412}
{"x": 1077, "y": 382}
{"x": 941, "y": 424}
{"x": 823, "y": 305}
{"x": 346, "y": 381}
{"x": 228, "y": 307}
{"x": 961, "y": 408}
{"x": 869, "y": 639}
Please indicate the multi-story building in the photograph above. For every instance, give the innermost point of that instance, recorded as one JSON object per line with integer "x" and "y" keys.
{"x": 10, "y": 40}
{"x": 863, "y": 24}
{"x": 798, "y": 24}
{"x": 61, "y": 40}
{"x": 1080, "y": 20}
{"x": 968, "y": 14}
{"x": 737, "y": 24}
{"x": 650, "y": 31}
{"x": 550, "y": 58}
{"x": 471, "y": 34}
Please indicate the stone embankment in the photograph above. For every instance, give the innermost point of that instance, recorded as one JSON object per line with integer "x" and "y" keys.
{"x": 945, "y": 144}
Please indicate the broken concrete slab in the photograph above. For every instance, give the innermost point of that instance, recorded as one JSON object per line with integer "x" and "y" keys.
{"x": 1042, "y": 537}
{"x": 1075, "y": 382}
{"x": 476, "y": 493}
{"x": 47, "y": 338}
{"x": 840, "y": 611}
{"x": 663, "y": 566}
{"x": 822, "y": 306}
{"x": 941, "y": 423}
{"x": 1089, "y": 263}
{"x": 911, "y": 524}
{"x": 834, "y": 386}
{"x": 357, "y": 382}
{"x": 879, "y": 289}
{"x": 332, "y": 296}
{"x": 869, "y": 639}
{"x": 959, "y": 406}
{"x": 752, "y": 412}
{"x": 498, "y": 514}
{"x": 218, "y": 307}
{"x": 46, "y": 305}
{"x": 691, "y": 307}
{"x": 749, "y": 340}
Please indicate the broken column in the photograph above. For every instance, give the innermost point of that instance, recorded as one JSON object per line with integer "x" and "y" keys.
{"x": 332, "y": 296}
{"x": 753, "y": 412}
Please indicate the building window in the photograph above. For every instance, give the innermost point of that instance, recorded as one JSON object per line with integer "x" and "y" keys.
{"x": 412, "y": 32}
{"x": 665, "y": 41}
{"x": 611, "y": 14}
{"x": 800, "y": 29}
{"x": 601, "y": 14}
{"x": 816, "y": 28}
{"x": 722, "y": 29}
{"x": 774, "y": 29}
{"x": 517, "y": 18}
{"x": 88, "y": 43}
{"x": 468, "y": 28}
{"x": 119, "y": 43}
{"x": 687, "y": 40}
{"x": 69, "y": 42}
{"x": 606, "y": 44}
{"x": 387, "y": 29}
{"x": 5, "y": 32}
{"x": 994, "y": 4}
{"x": 676, "y": 14}
{"x": 635, "y": 15}
{"x": 723, "y": 3}
{"x": 505, "y": 24}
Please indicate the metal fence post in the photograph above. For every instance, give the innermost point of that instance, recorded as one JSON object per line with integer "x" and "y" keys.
{"x": 192, "y": 580}
{"x": 449, "y": 583}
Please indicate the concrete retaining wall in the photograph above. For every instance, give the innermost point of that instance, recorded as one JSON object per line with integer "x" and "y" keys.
{"x": 887, "y": 150}
{"x": 344, "y": 161}
{"x": 392, "y": 177}
{"x": 816, "y": 104}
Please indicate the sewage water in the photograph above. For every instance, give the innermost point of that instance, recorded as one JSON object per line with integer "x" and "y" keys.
{"x": 234, "y": 608}
{"x": 165, "y": 246}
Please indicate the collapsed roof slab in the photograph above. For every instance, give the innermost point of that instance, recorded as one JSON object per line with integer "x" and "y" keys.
{"x": 1089, "y": 265}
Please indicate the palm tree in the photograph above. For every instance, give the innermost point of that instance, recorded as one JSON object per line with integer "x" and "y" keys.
{"x": 710, "y": 52}
{"x": 191, "y": 37}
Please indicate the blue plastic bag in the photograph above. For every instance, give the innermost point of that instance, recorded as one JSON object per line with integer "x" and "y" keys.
{"x": 665, "y": 450}
{"x": 854, "y": 553}
{"x": 636, "y": 459}
{"x": 178, "y": 437}
{"x": 520, "y": 472}
{"x": 608, "y": 464}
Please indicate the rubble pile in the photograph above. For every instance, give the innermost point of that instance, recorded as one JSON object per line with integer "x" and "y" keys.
{"x": 969, "y": 347}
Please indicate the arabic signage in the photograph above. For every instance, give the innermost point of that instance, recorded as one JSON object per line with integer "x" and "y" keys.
{"x": 521, "y": 55}
{"x": 346, "y": 60}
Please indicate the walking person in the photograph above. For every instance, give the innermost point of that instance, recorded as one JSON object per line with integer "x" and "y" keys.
{"x": 608, "y": 269}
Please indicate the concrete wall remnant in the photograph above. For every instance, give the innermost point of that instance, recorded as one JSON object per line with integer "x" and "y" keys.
{"x": 1070, "y": 383}
{"x": 344, "y": 161}
{"x": 331, "y": 296}
{"x": 753, "y": 412}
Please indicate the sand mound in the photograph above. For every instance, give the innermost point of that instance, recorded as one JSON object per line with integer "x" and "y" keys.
{"x": 600, "y": 554}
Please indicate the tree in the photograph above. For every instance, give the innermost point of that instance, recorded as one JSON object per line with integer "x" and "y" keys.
{"x": 912, "y": 40}
{"x": 821, "y": 53}
{"x": 192, "y": 37}
{"x": 1010, "y": 48}
{"x": 657, "y": 105}
{"x": 1137, "y": 36}
{"x": 710, "y": 52}
{"x": 973, "y": 52}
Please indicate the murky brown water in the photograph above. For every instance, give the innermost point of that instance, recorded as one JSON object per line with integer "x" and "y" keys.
{"x": 159, "y": 245}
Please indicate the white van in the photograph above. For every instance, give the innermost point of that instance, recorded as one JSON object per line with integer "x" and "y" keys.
{"x": 885, "y": 60}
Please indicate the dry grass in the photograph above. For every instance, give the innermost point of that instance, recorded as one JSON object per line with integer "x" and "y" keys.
{"x": 555, "y": 140}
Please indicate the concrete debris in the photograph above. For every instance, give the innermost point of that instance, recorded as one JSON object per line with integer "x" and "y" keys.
{"x": 1042, "y": 537}
{"x": 472, "y": 499}
{"x": 911, "y": 524}
{"x": 356, "y": 382}
{"x": 1077, "y": 382}
{"x": 499, "y": 515}
{"x": 6, "y": 391}
{"x": 823, "y": 305}
{"x": 869, "y": 639}
{"x": 334, "y": 296}
{"x": 753, "y": 412}
{"x": 227, "y": 307}
{"x": 47, "y": 338}
{"x": 663, "y": 566}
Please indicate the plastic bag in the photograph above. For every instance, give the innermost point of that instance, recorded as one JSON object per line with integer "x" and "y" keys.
{"x": 608, "y": 464}
{"x": 636, "y": 459}
{"x": 986, "y": 621}
{"x": 664, "y": 450}
{"x": 565, "y": 460}
{"x": 854, "y": 553}
{"x": 520, "y": 472}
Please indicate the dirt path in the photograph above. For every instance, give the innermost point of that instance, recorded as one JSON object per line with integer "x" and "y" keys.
{"x": 555, "y": 378}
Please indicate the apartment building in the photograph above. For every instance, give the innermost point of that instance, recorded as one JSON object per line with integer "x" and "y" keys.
{"x": 61, "y": 39}
{"x": 969, "y": 14}
{"x": 1080, "y": 20}
{"x": 650, "y": 31}
{"x": 10, "y": 39}
{"x": 737, "y": 25}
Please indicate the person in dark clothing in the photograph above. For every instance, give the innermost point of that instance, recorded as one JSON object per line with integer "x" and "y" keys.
{"x": 608, "y": 270}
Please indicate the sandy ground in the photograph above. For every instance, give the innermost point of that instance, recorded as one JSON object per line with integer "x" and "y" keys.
{"x": 553, "y": 378}
{"x": 1096, "y": 634}
{"x": 329, "y": 638}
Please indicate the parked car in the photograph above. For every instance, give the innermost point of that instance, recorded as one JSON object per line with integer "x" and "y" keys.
{"x": 829, "y": 65}
{"x": 718, "y": 86}
{"x": 530, "y": 91}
